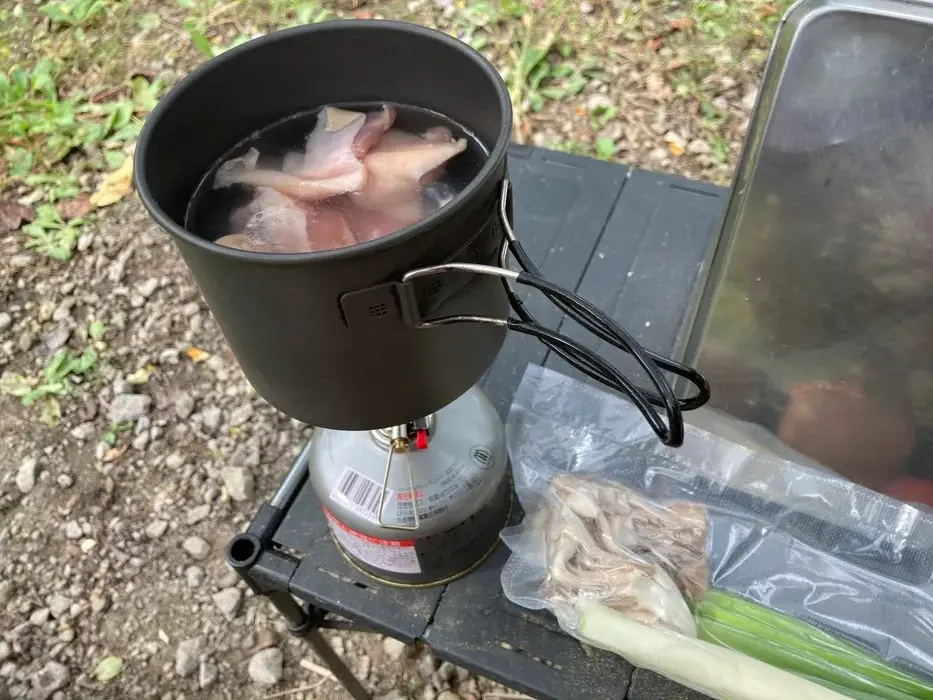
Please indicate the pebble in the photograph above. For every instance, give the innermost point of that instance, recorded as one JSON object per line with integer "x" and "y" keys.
{"x": 26, "y": 474}
{"x": 184, "y": 406}
{"x": 6, "y": 651}
{"x": 174, "y": 460}
{"x": 55, "y": 340}
{"x": 140, "y": 441}
{"x": 147, "y": 287}
{"x": 40, "y": 617}
{"x": 5, "y": 320}
{"x": 241, "y": 414}
{"x": 128, "y": 407}
{"x": 394, "y": 648}
{"x": 6, "y": 591}
{"x": 448, "y": 695}
{"x": 699, "y": 147}
{"x": 65, "y": 480}
{"x": 197, "y": 547}
{"x": 188, "y": 656}
{"x": 50, "y": 678}
{"x": 228, "y": 602}
{"x": 207, "y": 674}
{"x": 26, "y": 341}
{"x": 156, "y": 528}
{"x": 231, "y": 578}
{"x": 87, "y": 545}
{"x": 85, "y": 431}
{"x": 194, "y": 576}
{"x": 265, "y": 667}
{"x": 211, "y": 418}
{"x": 59, "y": 605}
{"x": 239, "y": 482}
{"x": 198, "y": 513}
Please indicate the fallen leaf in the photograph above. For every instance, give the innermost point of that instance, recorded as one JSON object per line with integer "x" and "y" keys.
{"x": 108, "y": 668}
{"x": 115, "y": 186}
{"x": 766, "y": 11}
{"x": 75, "y": 208}
{"x": 681, "y": 24}
{"x": 676, "y": 149}
{"x": 197, "y": 354}
{"x": 141, "y": 376}
{"x": 12, "y": 215}
{"x": 581, "y": 111}
{"x": 114, "y": 453}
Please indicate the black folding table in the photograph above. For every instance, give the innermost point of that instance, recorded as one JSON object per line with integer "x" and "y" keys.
{"x": 635, "y": 244}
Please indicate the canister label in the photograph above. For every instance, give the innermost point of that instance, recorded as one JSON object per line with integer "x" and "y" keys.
{"x": 398, "y": 556}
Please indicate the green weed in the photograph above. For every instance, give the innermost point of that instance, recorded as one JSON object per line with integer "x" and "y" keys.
{"x": 55, "y": 382}
{"x": 74, "y": 13}
{"x": 50, "y": 235}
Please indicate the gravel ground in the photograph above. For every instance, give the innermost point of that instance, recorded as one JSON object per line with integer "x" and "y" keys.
{"x": 113, "y": 516}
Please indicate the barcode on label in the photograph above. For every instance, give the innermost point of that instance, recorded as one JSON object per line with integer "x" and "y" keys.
{"x": 359, "y": 492}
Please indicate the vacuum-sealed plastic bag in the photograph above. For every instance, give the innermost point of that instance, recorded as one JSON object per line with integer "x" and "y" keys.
{"x": 602, "y": 494}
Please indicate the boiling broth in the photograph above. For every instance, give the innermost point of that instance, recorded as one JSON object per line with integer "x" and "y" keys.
{"x": 215, "y": 212}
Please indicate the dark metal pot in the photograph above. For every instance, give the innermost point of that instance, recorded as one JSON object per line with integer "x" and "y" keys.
{"x": 330, "y": 338}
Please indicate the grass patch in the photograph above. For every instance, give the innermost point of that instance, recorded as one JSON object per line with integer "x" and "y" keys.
{"x": 57, "y": 380}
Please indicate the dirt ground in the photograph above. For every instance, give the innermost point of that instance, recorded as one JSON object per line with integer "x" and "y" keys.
{"x": 131, "y": 446}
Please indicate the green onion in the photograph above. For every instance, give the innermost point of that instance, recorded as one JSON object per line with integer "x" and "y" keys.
{"x": 801, "y": 648}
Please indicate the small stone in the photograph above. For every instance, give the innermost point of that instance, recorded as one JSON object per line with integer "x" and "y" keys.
{"x": 87, "y": 545}
{"x": 184, "y": 405}
{"x": 6, "y": 591}
{"x": 749, "y": 99}
{"x": 207, "y": 674}
{"x": 26, "y": 475}
{"x": 40, "y": 617}
{"x": 699, "y": 147}
{"x": 6, "y": 651}
{"x": 73, "y": 530}
{"x": 55, "y": 340}
{"x": 65, "y": 480}
{"x": 190, "y": 309}
{"x": 128, "y": 407}
{"x": 198, "y": 513}
{"x": 59, "y": 605}
{"x": 231, "y": 578}
{"x": 241, "y": 414}
{"x": 5, "y": 320}
{"x": 239, "y": 482}
{"x": 394, "y": 648}
{"x": 156, "y": 528}
{"x": 448, "y": 695}
{"x": 67, "y": 635}
{"x": 188, "y": 656}
{"x": 211, "y": 418}
{"x": 83, "y": 432}
{"x": 265, "y": 667}
{"x": 228, "y": 602}
{"x": 447, "y": 671}
{"x": 194, "y": 576}
{"x": 50, "y": 678}
{"x": 197, "y": 547}
{"x": 141, "y": 441}
{"x": 174, "y": 460}
{"x": 428, "y": 692}
{"x": 26, "y": 341}
{"x": 147, "y": 287}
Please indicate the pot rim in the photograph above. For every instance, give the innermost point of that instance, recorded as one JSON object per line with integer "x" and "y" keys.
{"x": 496, "y": 155}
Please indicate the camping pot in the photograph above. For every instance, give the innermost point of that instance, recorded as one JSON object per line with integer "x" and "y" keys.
{"x": 335, "y": 338}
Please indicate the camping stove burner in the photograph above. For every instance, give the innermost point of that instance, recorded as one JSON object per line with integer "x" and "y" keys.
{"x": 383, "y": 436}
{"x": 418, "y": 503}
